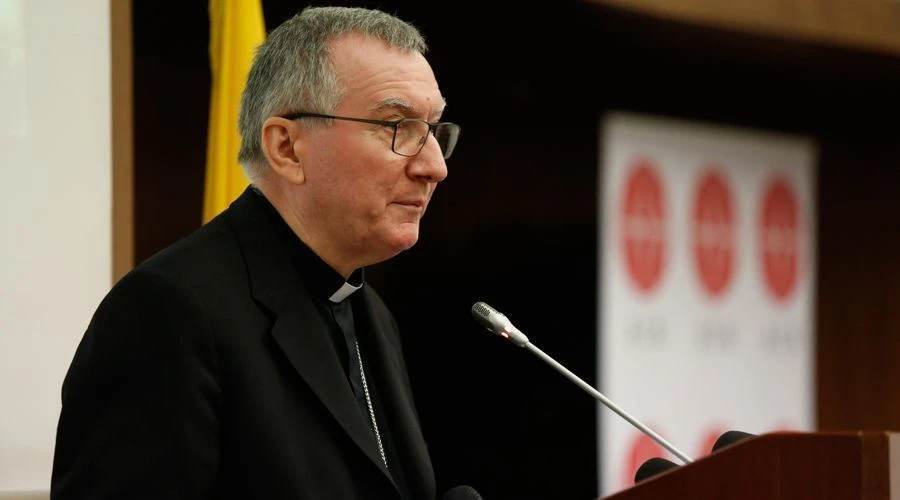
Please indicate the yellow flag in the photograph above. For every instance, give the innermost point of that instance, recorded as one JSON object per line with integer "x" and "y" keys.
{"x": 236, "y": 28}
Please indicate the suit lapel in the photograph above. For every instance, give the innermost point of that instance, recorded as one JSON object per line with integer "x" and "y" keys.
{"x": 306, "y": 344}
{"x": 385, "y": 362}
{"x": 298, "y": 330}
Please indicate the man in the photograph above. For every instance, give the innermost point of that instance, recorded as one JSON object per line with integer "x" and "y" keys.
{"x": 250, "y": 360}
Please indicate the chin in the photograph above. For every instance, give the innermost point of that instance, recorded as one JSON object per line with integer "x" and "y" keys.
{"x": 389, "y": 240}
{"x": 405, "y": 238}
{"x": 406, "y": 244}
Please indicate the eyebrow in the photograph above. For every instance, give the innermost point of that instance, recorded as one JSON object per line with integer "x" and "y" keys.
{"x": 406, "y": 107}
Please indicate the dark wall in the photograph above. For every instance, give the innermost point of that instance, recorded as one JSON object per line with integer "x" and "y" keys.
{"x": 514, "y": 224}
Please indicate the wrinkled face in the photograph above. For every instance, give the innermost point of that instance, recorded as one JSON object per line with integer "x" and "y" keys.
{"x": 364, "y": 201}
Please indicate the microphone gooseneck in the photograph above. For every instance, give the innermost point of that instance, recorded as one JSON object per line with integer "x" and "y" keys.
{"x": 499, "y": 324}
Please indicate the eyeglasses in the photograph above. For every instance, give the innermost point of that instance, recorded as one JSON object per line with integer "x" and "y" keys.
{"x": 409, "y": 134}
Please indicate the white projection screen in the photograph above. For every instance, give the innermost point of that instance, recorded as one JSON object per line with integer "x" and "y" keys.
{"x": 55, "y": 260}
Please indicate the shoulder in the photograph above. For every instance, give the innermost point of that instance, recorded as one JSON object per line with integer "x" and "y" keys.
{"x": 179, "y": 285}
{"x": 377, "y": 306}
{"x": 201, "y": 256}
{"x": 374, "y": 299}
{"x": 382, "y": 315}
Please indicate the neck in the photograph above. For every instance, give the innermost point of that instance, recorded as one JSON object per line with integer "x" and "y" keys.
{"x": 294, "y": 217}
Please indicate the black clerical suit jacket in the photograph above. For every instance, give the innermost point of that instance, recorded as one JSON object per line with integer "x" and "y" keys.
{"x": 207, "y": 373}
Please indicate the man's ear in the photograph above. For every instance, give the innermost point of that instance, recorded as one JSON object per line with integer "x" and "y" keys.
{"x": 279, "y": 138}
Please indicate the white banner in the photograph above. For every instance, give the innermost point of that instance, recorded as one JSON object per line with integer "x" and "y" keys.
{"x": 706, "y": 287}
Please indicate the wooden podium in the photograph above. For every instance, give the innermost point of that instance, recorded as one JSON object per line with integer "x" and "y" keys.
{"x": 840, "y": 466}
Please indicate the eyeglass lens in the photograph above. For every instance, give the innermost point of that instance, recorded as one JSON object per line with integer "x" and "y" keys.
{"x": 411, "y": 136}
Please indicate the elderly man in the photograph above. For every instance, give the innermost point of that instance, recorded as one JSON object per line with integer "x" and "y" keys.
{"x": 251, "y": 360}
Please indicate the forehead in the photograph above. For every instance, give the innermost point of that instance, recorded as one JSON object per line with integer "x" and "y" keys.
{"x": 375, "y": 75}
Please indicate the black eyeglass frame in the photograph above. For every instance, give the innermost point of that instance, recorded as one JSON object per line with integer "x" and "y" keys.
{"x": 394, "y": 124}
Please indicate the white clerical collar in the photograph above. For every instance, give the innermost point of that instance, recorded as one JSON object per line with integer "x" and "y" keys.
{"x": 344, "y": 291}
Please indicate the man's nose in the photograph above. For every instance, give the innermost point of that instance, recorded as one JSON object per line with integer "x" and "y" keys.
{"x": 429, "y": 164}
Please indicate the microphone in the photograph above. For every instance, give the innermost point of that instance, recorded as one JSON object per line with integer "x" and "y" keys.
{"x": 499, "y": 324}
{"x": 463, "y": 492}
{"x": 730, "y": 438}
{"x": 652, "y": 467}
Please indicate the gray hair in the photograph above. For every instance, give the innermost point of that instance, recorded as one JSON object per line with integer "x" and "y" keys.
{"x": 292, "y": 70}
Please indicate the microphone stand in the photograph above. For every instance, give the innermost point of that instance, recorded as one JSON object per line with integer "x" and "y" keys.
{"x": 606, "y": 401}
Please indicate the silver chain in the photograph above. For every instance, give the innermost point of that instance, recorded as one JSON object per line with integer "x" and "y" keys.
{"x": 362, "y": 373}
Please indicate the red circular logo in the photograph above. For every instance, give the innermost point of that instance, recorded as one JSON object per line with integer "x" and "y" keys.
{"x": 713, "y": 233}
{"x": 779, "y": 238}
{"x": 643, "y": 231}
{"x": 642, "y": 449}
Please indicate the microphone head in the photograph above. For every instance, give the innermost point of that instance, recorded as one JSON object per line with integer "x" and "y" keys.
{"x": 463, "y": 492}
{"x": 652, "y": 467}
{"x": 498, "y": 323}
{"x": 489, "y": 317}
{"x": 730, "y": 438}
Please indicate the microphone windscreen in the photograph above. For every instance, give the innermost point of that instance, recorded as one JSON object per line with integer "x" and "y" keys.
{"x": 484, "y": 313}
{"x": 653, "y": 467}
{"x": 463, "y": 492}
{"x": 730, "y": 438}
